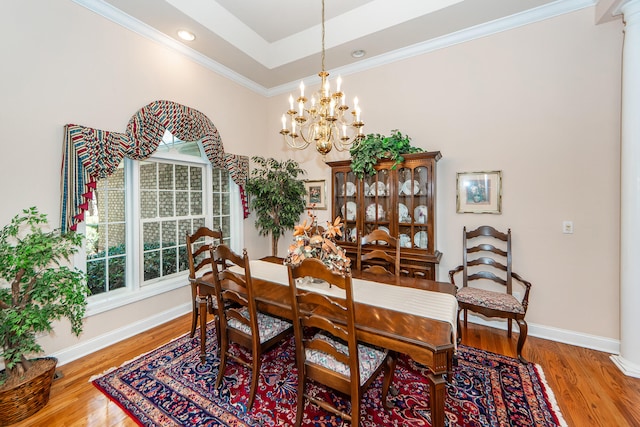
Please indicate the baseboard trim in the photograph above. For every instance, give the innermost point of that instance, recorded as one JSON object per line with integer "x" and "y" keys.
{"x": 627, "y": 368}
{"x": 85, "y": 348}
{"x": 565, "y": 336}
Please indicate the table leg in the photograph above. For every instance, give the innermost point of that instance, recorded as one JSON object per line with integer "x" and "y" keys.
{"x": 436, "y": 397}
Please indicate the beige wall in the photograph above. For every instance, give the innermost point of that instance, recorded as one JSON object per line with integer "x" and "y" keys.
{"x": 540, "y": 103}
{"x": 62, "y": 63}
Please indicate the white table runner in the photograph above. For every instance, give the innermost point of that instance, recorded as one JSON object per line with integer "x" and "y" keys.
{"x": 433, "y": 305}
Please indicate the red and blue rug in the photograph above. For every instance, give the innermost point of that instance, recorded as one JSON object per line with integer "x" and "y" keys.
{"x": 170, "y": 387}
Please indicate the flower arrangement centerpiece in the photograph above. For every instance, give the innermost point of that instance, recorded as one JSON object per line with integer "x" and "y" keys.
{"x": 311, "y": 242}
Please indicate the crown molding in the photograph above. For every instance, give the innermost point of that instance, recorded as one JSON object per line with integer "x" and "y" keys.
{"x": 541, "y": 13}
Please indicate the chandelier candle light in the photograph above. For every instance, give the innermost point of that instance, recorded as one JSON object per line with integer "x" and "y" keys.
{"x": 324, "y": 120}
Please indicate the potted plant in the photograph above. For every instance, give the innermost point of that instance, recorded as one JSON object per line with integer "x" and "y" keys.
{"x": 373, "y": 147}
{"x": 36, "y": 288}
{"x": 277, "y": 197}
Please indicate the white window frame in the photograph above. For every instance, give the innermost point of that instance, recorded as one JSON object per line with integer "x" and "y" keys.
{"x": 134, "y": 289}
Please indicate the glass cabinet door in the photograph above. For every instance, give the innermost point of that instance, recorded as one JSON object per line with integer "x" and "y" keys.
{"x": 413, "y": 207}
{"x": 345, "y": 204}
{"x": 377, "y": 205}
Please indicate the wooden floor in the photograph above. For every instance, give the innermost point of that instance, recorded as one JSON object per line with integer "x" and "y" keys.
{"x": 589, "y": 388}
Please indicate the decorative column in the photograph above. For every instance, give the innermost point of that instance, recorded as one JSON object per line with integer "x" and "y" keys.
{"x": 629, "y": 359}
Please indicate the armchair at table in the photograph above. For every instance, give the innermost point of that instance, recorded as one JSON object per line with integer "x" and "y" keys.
{"x": 379, "y": 260}
{"x": 199, "y": 245}
{"x": 240, "y": 320}
{"x": 487, "y": 263}
{"x": 327, "y": 349}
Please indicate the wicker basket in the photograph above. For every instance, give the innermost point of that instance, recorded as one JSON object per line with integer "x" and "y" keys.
{"x": 27, "y": 398}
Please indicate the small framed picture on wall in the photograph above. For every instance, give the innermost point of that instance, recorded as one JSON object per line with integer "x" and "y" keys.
{"x": 316, "y": 194}
{"x": 479, "y": 192}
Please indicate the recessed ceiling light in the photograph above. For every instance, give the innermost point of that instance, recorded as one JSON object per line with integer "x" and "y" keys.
{"x": 359, "y": 53}
{"x": 186, "y": 35}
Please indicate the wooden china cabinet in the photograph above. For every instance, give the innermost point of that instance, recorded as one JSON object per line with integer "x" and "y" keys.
{"x": 401, "y": 200}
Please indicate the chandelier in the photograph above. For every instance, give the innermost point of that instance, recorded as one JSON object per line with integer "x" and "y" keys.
{"x": 324, "y": 120}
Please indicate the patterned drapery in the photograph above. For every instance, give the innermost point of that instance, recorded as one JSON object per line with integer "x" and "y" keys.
{"x": 91, "y": 154}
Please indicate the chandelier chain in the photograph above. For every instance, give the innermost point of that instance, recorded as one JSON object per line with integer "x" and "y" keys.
{"x": 323, "y": 35}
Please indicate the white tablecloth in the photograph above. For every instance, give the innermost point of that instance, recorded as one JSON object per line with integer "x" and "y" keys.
{"x": 433, "y": 305}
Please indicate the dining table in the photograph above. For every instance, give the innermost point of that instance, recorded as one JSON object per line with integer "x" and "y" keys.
{"x": 409, "y": 315}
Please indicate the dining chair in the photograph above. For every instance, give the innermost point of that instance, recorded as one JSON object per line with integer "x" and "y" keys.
{"x": 199, "y": 245}
{"x": 379, "y": 260}
{"x": 331, "y": 355}
{"x": 486, "y": 261}
{"x": 240, "y": 320}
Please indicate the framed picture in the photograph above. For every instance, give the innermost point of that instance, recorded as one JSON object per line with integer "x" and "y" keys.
{"x": 316, "y": 194}
{"x": 479, "y": 192}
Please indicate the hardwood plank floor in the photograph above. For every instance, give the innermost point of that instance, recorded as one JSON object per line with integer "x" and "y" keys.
{"x": 589, "y": 388}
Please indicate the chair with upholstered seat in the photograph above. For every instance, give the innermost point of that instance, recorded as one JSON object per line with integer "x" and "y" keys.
{"x": 199, "y": 245}
{"x": 487, "y": 263}
{"x": 240, "y": 320}
{"x": 330, "y": 354}
{"x": 379, "y": 260}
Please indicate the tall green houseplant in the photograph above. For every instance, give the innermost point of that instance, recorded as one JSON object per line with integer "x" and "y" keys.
{"x": 35, "y": 288}
{"x": 373, "y": 147}
{"x": 277, "y": 197}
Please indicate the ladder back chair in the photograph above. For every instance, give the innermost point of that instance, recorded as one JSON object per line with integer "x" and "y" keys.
{"x": 379, "y": 260}
{"x": 486, "y": 261}
{"x": 329, "y": 353}
{"x": 240, "y": 320}
{"x": 199, "y": 245}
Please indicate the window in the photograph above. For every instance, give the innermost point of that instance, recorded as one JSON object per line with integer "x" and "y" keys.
{"x": 138, "y": 219}
{"x": 105, "y": 232}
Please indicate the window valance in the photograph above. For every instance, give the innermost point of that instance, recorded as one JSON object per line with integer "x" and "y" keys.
{"x": 91, "y": 154}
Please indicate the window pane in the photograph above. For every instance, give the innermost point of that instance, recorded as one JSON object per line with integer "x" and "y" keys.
{"x": 169, "y": 261}
{"x": 224, "y": 181}
{"x": 151, "y": 265}
{"x": 169, "y": 233}
{"x": 148, "y": 178}
{"x": 96, "y": 276}
{"x": 183, "y": 262}
{"x": 116, "y": 239}
{"x": 182, "y": 203}
{"x": 182, "y": 177}
{"x": 92, "y": 241}
{"x": 116, "y": 205}
{"x": 166, "y": 204}
{"x": 226, "y": 226}
{"x": 196, "y": 203}
{"x": 184, "y": 228}
{"x": 196, "y": 178}
{"x": 151, "y": 236}
{"x": 165, "y": 176}
{"x": 116, "y": 273}
{"x": 148, "y": 204}
{"x": 215, "y": 202}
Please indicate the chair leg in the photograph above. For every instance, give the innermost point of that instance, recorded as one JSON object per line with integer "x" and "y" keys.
{"x": 355, "y": 410}
{"x": 194, "y": 311}
{"x": 459, "y": 338}
{"x": 224, "y": 344}
{"x": 522, "y": 338}
{"x": 202, "y": 310}
{"x": 509, "y": 328}
{"x": 387, "y": 383}
{"x": 300, "y": 404}
{"x": 466, "y": 314}
{"x": 255, "y": 377}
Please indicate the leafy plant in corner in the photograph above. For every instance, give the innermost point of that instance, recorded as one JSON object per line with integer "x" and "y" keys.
{"x": 277, "y": 197}
{"x": 374, "y": 147}
{"x": 35, "y": 288}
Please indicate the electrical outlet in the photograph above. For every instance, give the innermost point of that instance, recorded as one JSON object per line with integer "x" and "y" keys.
{"x": 567, "y": 227}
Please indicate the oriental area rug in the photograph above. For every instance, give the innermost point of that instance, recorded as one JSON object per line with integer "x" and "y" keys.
{"x": 169, "y": 386}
